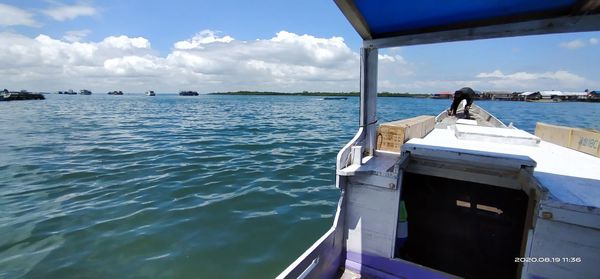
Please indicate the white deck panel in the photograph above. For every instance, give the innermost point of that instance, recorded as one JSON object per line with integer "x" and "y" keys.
{"x": 570, "y": 176}
{"x": 467, "y": 122}
{"x": 493, "y": 134}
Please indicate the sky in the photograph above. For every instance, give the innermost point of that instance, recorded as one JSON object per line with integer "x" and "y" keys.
{"x": 259, "y": 45}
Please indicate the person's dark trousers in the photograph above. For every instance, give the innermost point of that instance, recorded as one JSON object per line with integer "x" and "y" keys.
{"x": 457, "y": 99}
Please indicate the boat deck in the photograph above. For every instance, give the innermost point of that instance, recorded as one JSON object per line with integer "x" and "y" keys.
{"x": 570, "y": 176}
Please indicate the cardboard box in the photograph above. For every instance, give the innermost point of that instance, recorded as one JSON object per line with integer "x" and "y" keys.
{"x": 392, "y": 135}
{"x": 586, "y": 141}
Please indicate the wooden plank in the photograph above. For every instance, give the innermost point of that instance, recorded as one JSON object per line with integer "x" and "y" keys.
{"x": 558, "y": 135}
{"x": 585, "y": 141}
{"x": 392, "y": 135}
{"x": 582, "y": 140}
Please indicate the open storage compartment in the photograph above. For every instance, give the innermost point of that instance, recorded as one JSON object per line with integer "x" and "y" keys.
{"x": 463, "y": 228}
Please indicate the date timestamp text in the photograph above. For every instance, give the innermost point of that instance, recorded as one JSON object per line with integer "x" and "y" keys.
{"x": 548, "y": 259}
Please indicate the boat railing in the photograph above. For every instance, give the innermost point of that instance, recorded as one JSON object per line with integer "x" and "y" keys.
{"x": 324, "y": 258}
{"x": 344, "y": 157}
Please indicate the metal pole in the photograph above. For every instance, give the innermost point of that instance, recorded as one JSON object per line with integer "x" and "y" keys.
{"x": 368, "y": 96}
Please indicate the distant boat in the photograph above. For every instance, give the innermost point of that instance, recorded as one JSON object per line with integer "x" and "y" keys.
{"x": 188, "y": 93}
{"x": 85, "y": 92}
{"x": 22, "y": 95}
{"x": 442, "y": 95}
{"x": 150, "y": 93}
{"x": 115, "y": 92}
{"x": 553, "y": 100}
{"x": 335, "y": 98}
{"x": 68, "y": 92}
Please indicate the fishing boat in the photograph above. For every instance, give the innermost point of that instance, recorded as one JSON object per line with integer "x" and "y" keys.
{"x": 188, "y": 93}
{"x": 19, "y": 96}
{"x": 115, "y": 92}
{"x": 457, "y": 197}
{"x": 442, "y": 95}
{"x": 150, "y": 93}
{"x": 85, "y": 92}
{"x": 68, "y": 92}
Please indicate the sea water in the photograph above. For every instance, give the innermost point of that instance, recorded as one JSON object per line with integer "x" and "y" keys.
{"x": 186, "y": 187}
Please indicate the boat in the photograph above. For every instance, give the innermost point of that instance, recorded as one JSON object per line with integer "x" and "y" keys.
{"x": 150, "y": 93}
{"x": 442, "y": 95}
{"x": 188, "y": 93}
{"x": 85, "y": 92}
{"x": 335, "y": 98}
{"x": 556, "y": 100}
{"x": 115, "y": 92}
{"x": 465, "y": 195}
{"x": 23, "y": 95}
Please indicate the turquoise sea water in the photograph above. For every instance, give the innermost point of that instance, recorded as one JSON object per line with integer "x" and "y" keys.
{"x": 185, "y": 187}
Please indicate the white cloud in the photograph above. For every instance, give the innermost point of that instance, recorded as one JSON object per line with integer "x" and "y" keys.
{"x": 125, "y": 43}
{"x": 494, "y": 74}
{"x": 534, "y": 81}
{"x": 207, "y": 62}
{"x": 393, "y": 69}
{"x": 285, "y": 62}
{"x": 76, "y": 35}
{"x": 202, "y": 38}
{"x": 391, "y": 58}
{"x": 134, "y": 66}
{"x": 13, "y": 16}
{"x": 66, "y": 12}
{"x": 573, "y": 44}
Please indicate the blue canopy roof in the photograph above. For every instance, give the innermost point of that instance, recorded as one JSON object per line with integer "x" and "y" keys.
{"x": 401, "y": 22}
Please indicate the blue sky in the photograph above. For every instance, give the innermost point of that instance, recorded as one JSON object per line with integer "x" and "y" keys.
{"x": 285, "y": 46}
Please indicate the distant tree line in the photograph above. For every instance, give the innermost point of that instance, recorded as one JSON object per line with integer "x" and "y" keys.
{"x": 306, "y": 93}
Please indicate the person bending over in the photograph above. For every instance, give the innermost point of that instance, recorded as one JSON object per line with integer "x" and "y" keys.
{"x": 465, "y": 93}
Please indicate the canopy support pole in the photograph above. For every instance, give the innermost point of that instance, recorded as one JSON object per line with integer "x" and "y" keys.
{"x": 368, "y": 96}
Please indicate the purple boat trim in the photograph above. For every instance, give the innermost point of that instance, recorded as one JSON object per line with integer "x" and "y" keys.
{"x": 381, "y": 267}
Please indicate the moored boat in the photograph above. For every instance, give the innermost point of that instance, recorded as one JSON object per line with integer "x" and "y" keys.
{"x": 188, "y": 93}
{"x": 448, "y": 196}
{"x": 20, "y": 96}
{"x": 68, "y": 92}
{"x": 442, "y": 95}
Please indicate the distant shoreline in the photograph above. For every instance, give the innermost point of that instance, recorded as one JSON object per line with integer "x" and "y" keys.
{"x": 319, "y": 94}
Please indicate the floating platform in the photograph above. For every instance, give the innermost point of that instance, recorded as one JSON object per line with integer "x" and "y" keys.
{"x": 21, "y": 96}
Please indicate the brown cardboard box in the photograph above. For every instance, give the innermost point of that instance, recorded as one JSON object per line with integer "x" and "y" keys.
{"x": 391, "y": 135}
{"x": 585, "y": 141}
